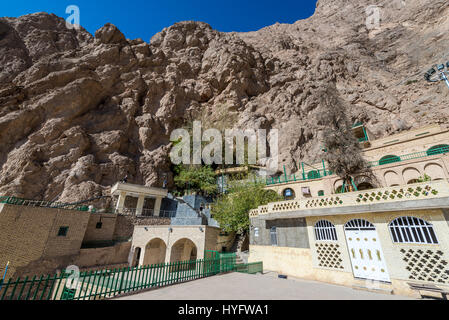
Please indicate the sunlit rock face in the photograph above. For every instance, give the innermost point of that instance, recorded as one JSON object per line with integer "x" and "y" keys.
{"x": 79, "y": 112}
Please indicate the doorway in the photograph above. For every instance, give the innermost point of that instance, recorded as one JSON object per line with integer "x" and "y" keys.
{"x": 365, "y": 251}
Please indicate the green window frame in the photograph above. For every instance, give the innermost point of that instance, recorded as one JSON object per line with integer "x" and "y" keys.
{"x": 63, "y": 231}
{"x": 436, "y": 150}
{"x": 389, "y": 159}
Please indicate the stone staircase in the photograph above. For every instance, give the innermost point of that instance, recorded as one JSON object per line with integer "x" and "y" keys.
{"x": 242, "y": 256}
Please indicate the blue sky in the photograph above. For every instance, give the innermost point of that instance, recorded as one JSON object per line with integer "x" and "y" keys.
{"x": 143, "y": 19}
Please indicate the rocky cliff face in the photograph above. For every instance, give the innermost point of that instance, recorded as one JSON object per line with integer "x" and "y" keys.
{"x": 79, "y": 112}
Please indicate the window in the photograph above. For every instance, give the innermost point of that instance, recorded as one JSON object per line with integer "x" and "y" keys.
{"x": 440, "y": 149}
{"x": 99, "y": 225}
{"x": 359, "y": 225}
{"x": 312, "y": 175}
{"x": 389, "y": 159}
{"x": 289, "y": 194}
{"x": 412, "y": 230}
{"x": 274, "y": 237}
{"x": 256, "y": 232}
{"x": 63, "y": 231}
{"x": 320, "y": 193}
{"x": 325, "y": 231}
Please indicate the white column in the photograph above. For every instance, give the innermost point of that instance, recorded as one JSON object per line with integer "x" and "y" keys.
{"x": 140, "y": 204}
{"x": 143, "y": 252}
{"x": 157, "y": 207}
{"x": 121, "y": 202}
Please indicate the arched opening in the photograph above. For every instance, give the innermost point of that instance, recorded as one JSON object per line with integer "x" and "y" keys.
{"x": 411, "y": 175}
{"x": 136, "y": 257}
{"x": 434, "y": 171}
{"x": 392, "y": 179}
{"x": 339, "y": 189}
{"x": 440, "y": 149}
{"x": 389, "y": 159}
{"x": 183, "y": 250}
{"x": 365, "y": 251}
{"x": 155, "y": 252}
{"x": 289, "y": 194}
{"x": 412, "y": 230}
{"x": 365, "y": 186}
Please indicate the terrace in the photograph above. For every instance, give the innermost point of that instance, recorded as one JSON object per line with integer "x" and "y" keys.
{"x": 321, "y": 173}
{"x": 377, "y": 200}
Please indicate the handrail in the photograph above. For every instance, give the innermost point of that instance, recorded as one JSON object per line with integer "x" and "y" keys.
{"x": 148, "y": 213}
{"x": 318, "y": 174}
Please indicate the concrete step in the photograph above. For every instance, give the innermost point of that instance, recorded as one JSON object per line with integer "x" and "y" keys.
{"x": 374, "y": 286}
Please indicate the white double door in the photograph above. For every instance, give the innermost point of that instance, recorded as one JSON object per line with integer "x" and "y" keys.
{"x": 366, "y": 254}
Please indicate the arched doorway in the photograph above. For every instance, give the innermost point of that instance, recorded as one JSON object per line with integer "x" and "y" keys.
{"x": 155, "y": 252}
{"x": 365, "y": 251}
{"x": 183, "y": 250}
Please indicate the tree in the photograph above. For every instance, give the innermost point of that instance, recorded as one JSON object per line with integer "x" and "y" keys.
{"x": 232, "y": 209}
{"x": 342, "y": 150}
{"x": 200, "y": 179}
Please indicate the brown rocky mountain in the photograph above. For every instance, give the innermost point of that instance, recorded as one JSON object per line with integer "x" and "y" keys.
{"x": 78, "y": 113}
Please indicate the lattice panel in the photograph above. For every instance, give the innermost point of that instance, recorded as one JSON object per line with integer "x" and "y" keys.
{"x": 397, "y": 194}
{"x": 329, "y": 255}
{"x": 286, "y": 206}
{"x": 327, "y": 202}
{"x": 426, "y": 265}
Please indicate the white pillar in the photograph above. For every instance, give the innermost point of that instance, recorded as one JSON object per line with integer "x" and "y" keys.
{"x": 140, "y": 203}
{"x": 157, "y": 207}
{"x": 121, "y": 202}
{"x": 143, "y": 252}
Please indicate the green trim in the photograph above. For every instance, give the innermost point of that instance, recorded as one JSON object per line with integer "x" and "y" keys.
{"x": 103, "y": 284}
{"x": 390, "y": 142}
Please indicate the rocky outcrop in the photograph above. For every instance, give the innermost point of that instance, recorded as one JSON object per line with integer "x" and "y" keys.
{"x": 79, "y": 112}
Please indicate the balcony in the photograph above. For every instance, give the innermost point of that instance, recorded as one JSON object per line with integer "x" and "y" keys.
{"x": 148, "y": 213}
{"x": 349, "y": 202}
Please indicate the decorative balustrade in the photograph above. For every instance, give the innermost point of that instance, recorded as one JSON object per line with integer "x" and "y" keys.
{"x": 426, "y": 190}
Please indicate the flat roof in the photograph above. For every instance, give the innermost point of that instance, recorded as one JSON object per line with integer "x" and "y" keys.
{"x": 138, "y": 190}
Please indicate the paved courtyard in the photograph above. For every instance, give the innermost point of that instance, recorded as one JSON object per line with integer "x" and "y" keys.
{"x": 238, "y": 286}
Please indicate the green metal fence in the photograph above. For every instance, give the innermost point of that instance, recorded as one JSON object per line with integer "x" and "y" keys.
{"x": 250, "y": 268}
{"x": 317, "y": 174}
{"x": 44, "y": 204}
{"x": 103, "y": 284}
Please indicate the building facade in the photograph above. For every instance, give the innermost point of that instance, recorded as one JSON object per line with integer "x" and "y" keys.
{"x": 393, "y": 161}
{"x": 392, "y": 231}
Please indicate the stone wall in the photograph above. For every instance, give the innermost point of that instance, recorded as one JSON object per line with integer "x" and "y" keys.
{"x": 330, "y": 261}
{"x": 28, "y": 234}
{"x": 124, "y": 227}
{"x": 115, "y": 255}
{"x": 101, "y": 228}
{"x": 290, "y": 232}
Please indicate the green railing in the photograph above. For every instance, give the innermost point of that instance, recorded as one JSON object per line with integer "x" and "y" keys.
{"x": 311, "y": 175}
{"x": 410, "y": 156}
{"x": 43, "y": 204}
{"x": 105, "y": 284}
{"x": 318, "y": 174}
{"x": 250, "y": 268}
